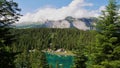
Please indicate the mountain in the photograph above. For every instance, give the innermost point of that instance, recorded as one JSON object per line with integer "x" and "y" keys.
{"x": 68, "y": 22}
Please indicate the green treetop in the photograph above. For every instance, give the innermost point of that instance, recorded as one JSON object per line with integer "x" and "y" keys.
{"x": 105, "y": 54}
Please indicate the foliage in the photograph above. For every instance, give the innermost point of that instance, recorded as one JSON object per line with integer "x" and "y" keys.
{"x": 107, "y": 40}
{"x": 39, "y": 39}
{"x": 43, "y": 38}
{"x": 8, "y": 15}
{"x": 80, "y": 60}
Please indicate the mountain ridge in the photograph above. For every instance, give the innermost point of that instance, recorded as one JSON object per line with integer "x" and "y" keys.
{"x": 68, "y": 22}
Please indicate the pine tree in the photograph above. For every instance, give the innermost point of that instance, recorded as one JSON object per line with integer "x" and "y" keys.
{"x": 8, "y": 15}
{"x": 105, "y": 52}
{"x": 80, "y": 60}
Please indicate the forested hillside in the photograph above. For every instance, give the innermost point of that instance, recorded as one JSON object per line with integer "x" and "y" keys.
{"x": 31, "y": 41}
{"x": 27, "y": 45}
{"x": 53, "y": 38}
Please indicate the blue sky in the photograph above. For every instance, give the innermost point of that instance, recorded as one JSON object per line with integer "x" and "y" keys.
{"x": 33, "y": 5}
{"x": 97, "y": 3}
{"x": 42, "y": 10}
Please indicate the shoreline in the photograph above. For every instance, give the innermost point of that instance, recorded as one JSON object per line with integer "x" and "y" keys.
{"x": 68, "y": 53}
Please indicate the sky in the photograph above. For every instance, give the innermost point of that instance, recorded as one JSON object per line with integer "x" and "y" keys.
{"x": 33, "y": 5}
{"x": 41, "y": 10}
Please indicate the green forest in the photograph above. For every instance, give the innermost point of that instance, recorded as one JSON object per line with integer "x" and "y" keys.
{"x": 23, "y": 48}
{"x": 42, "y": 38}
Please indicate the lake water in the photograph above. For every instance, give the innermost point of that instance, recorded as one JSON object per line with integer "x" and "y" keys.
{"x": 59, "y": 61}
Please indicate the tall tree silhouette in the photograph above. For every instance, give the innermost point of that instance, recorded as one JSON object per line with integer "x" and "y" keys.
{"x": 8, "y": 15}
{"x": 106, "y": 52}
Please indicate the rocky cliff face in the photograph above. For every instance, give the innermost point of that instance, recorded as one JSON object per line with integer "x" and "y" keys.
{"x": 69, "y": 22}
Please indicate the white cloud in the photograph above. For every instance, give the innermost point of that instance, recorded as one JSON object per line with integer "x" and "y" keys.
{"x": 74, "y": 9}
{"x": 102, "y": 8}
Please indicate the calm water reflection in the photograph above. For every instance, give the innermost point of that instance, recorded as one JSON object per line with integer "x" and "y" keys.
{"x": 59, "y": 61}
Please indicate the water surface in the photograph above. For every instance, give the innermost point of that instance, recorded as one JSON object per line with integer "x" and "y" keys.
{"x": 59, "y": 61}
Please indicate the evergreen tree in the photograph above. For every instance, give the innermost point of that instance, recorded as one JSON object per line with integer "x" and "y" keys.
{"x": 106, "y": 52}
{"x": 80, "y": 60}
{"x": 8, "y": 15}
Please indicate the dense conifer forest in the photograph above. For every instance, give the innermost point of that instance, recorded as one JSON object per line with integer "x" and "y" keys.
{"x": 24, "y": 48}
{"x": 38, "y": 39}
{"x": 42, "y": 38}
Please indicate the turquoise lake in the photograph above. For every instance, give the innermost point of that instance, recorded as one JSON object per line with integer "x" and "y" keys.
{"x": 59, "y": 60}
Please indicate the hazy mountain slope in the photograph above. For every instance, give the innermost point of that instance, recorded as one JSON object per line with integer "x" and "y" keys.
{"x": 68, "y": 22}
